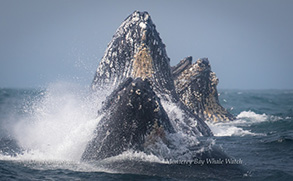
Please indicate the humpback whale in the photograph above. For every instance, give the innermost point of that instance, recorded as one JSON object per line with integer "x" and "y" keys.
{"x": 196, "y": 86}
{"x": 135, "y": 114}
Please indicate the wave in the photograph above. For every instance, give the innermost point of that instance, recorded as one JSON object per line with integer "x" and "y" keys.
{"x": 240, "y": 126}
{"x": 253, "y": 117}
{"x": 228, "y": 129}
{"x": 279, "y": 140}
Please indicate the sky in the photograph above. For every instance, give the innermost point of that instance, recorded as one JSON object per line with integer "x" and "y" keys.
{"x": 249, "y": 43}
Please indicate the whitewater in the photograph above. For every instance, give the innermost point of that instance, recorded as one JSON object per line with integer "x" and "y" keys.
{"x": 44, "y": 132}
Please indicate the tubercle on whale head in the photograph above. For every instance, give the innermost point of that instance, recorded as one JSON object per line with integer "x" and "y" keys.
{"x": 203, "y": 64}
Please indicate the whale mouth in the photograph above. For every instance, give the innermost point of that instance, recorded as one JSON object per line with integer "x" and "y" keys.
{"x": 151, "y": 101}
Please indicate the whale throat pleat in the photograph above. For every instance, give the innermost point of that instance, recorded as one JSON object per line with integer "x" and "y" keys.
{"x": 143, "y": 64}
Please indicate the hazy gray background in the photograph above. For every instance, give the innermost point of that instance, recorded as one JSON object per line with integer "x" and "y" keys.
{"x": 248, "y": 42}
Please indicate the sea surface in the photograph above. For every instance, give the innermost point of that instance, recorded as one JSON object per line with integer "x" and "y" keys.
{"x": 43, "y": 133}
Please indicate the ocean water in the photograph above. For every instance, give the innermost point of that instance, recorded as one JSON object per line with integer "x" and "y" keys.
{"x": 43, "y": 133}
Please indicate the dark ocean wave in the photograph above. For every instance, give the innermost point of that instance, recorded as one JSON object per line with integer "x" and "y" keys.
{"x": 278, "y": 141}
{"x": 121, "y": 170}
{"x": 272, "y": 175}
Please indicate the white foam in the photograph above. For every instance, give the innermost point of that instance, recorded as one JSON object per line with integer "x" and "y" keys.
{"x": 46, "y": 164}
{"x": 253, "y": 117}
{"x": 136, "y": 156}
{"x": 158, "y": 152}
{"x": 240, "y": 126}
{"x": 226, "y": 129}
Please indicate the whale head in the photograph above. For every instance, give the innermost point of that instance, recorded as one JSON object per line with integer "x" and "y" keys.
{"x": 136, "y": 50}
{"x": 196, "y": 85}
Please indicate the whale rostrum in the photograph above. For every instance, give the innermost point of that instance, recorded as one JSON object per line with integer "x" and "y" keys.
{"x": 136, "y": 114}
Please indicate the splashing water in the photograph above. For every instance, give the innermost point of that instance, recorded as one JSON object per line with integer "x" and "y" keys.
{"x": 59, "y": 124}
